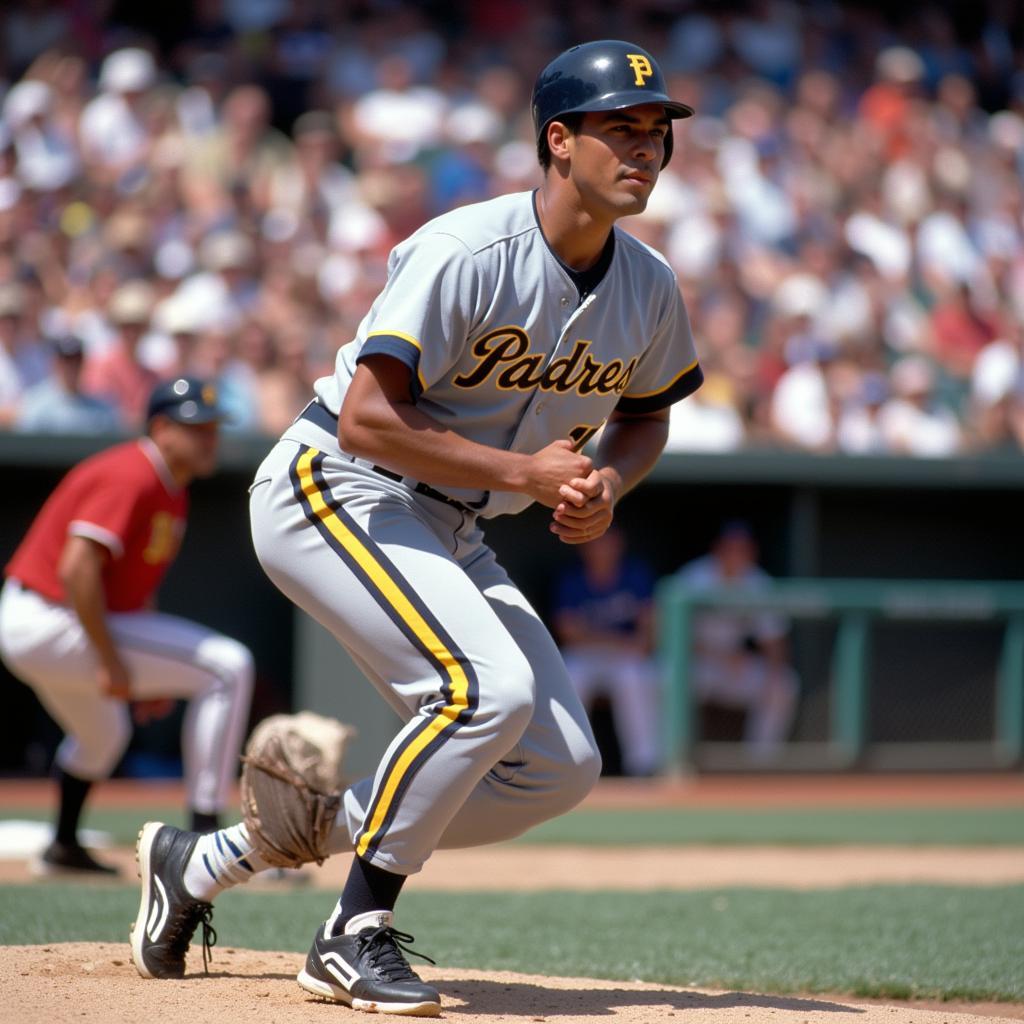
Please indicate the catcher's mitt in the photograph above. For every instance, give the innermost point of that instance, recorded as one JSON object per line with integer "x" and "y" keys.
{"x": 291, "y": 786}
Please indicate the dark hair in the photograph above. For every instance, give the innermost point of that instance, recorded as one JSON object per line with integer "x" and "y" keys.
{"x": 572, "y": 121}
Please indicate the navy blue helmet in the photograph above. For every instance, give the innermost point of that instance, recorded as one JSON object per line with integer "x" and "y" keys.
{"x": 605, "y": 75}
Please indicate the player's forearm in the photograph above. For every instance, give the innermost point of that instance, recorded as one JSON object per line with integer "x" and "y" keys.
{"x": 406, "y": 440}
{"x": 629, "y": 448}
{"x": 82, "y": 578}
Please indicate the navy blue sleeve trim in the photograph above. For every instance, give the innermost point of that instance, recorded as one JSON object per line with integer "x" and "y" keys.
{"x": 400, "y": 349}
{"x": 675, "y": 392}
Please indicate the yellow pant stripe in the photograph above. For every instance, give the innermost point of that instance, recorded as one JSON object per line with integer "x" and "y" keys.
{"x": 392, "y": 593}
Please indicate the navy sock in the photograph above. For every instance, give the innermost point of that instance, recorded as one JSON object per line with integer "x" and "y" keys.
{"x": 204, "y": 822}
{"x": 73, "y": 792}
{"x": 367, "y": 888}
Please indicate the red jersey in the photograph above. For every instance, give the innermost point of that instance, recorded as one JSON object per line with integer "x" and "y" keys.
{"x": 125, "y": 499}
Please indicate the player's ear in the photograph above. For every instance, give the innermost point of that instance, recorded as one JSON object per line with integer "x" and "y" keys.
{"x": 558, "y": 140}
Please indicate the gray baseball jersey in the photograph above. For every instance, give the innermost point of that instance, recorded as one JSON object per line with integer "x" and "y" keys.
{"x": 501, "y": 348}
{"x": 503, "y": 351}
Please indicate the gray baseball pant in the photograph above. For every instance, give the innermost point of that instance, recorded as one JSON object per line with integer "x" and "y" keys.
{"x": 495, "y": 739}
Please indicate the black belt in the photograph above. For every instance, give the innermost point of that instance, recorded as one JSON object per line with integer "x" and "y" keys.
{"x": 326, "y": 420}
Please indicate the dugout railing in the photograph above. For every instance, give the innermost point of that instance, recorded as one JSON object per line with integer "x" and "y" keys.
{"x": 857, "y": 607}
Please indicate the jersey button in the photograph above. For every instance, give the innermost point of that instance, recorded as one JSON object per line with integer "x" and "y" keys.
{"x": 565, "y": 301}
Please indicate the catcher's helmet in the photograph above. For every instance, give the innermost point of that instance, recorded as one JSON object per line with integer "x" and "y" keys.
{"x": 606, "y": 75}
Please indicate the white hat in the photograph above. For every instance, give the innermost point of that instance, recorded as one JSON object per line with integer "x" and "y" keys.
{"x": 128, "y": 70}
{"x": 10, "y": 193}
{"x": 800, "y": 295}
{"x": 1006, "y": 129}
{"x": 26, "y": 100}
{"x": 225, "y": 250}
{"x": 899, "y": 64}
{"x": 131, "y": 303}
{"x": 177, "y": 315}
{"x": 355, "y": 226}
{"x": 174, "y": 259}
{"x": 473, "y": 122}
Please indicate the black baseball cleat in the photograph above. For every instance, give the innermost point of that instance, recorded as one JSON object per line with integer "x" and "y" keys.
{"x": 168, "y": 915}
{"x": 364, "y": 968}
{"x": 70, "y": 859}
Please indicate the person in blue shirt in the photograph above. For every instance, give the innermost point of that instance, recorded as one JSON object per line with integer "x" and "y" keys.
{"x": 603, "y": 618}
{"x": 56, "y": 405}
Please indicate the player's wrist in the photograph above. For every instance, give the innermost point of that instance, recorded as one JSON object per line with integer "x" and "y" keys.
{"x": 613, "y": 482}
{"x": 513, "y": 472}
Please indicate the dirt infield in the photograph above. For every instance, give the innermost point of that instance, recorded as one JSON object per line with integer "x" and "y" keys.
{"x": 95, "y": 983}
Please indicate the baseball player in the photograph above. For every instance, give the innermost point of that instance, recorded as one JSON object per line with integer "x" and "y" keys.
{"x": 78, "y": 625}
{"x": 604, "y": 621}
{"x": 507, "y": 334}
{"x": 743, "y": 681}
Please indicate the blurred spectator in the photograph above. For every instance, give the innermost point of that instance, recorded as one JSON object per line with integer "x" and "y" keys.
{"x": 22, "y": 362}
{"x": 240, "y": 158}
{"x": 113, "y": 130}
{"x": 886, "y": 105}
{"x": 212, "y": 357}
{"x": 960, "y": 330}
{"x": 399, "y": 119}
{"x": 998, "y": 370}
{"x": 827, "y": 213}
{"x": 46, "y": 157}
{"x": 708, "y": 420}
{"x": 118, "y": 375}
{"x": 801, "y": 404}
{"x": 285, "y": 384}
{"x": 226, "y": 288}
{"x": 56, "y": 405}
{"x": 914, "y": 421}
{"x": 603, "y": 619}
{"x": 316, "y": 184}
{"x": 743, "y": 683}
{"x": 860, "y": 430}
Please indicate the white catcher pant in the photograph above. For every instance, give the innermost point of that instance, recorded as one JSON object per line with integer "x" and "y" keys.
{"x": 44, "y": 644}
{"x": 495, "y": 740}
{"x": 768, "y": 693}
{"x": 630, "y": 683}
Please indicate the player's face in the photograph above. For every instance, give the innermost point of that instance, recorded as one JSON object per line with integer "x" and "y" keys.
{"x": 201, "y": 442}
{"x": 190, "y": 449}
{"x": 617, "y": 155}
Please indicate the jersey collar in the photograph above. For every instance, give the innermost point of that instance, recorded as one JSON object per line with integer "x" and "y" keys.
{"x": 584, "y": 280}
{"x": 153, "y": 453}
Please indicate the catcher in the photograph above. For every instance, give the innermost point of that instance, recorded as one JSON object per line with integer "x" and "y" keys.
{"x": 507, "y": 335}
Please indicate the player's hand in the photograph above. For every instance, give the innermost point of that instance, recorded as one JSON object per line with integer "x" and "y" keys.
{"x": 551, "y": 467}
{"x": 115, "y": 680}
{"x": 144, "y": 711}
{"x": 587, "y": 508}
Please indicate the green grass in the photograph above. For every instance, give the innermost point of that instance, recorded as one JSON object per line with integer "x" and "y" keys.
{"x": 673, "y": 826}
{"x": 888, "y": 941}
{"x": 943, "y": 826}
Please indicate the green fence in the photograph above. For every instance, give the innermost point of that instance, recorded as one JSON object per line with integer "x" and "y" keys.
{"x": 856, "y": 605}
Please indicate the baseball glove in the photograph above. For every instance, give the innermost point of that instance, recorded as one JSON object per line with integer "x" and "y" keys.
{"x": 291, "y": 786}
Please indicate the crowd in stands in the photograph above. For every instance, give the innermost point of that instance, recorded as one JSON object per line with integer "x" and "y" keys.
{"x": 218, "y": 194}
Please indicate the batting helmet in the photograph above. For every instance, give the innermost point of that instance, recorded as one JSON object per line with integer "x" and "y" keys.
{"x": 606, "y": 75}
